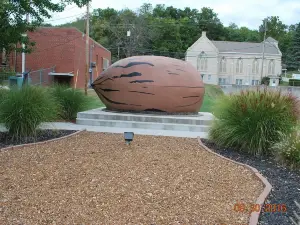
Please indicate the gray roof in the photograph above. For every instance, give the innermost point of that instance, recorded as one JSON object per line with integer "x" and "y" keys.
{"x": 245, "y": 47}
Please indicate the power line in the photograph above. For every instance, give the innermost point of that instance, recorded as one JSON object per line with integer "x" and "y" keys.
{"x": 75, "y": 6}
{"x": 64, "y": 17}
{"x": 184, "y": 53}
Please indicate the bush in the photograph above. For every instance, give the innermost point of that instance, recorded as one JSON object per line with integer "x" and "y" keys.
{"x": 287, "y": 150}
{"x": 3, "y": 94}
{"x": 4, "y": 75}
{"x": 251, "y": 121}
{"x": 265, "y": 81}
{"x": 294, "y": 82}
{"x": 23, "y": 110}
{"x": 70, "y": 100}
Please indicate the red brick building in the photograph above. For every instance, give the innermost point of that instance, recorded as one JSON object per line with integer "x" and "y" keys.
{"x": 65, "y": 50}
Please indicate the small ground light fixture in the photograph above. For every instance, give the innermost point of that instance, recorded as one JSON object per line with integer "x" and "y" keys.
{"x": 128, "y": 136}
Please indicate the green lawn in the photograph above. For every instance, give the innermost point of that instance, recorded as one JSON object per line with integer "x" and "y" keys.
{"x": 283, "y": 83}
{"x": 211, "y": 93}
{"x": 94, "y": 102}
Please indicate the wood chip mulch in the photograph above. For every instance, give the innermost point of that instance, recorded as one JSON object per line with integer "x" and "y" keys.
{"x": 95, "y": 178}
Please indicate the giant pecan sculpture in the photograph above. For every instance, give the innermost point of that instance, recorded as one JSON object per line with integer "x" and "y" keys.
{"x": 150, "y": 83}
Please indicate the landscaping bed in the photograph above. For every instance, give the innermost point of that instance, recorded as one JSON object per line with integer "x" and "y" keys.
{"x": 42, "y": 135}
{"x": 285, "y": 182}
{"x": 96, "y": 178}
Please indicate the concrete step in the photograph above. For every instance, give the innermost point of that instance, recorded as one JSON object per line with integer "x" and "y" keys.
{"x": 98, "y": 114}
{"x": 143, "y": 125}
{"x": 72, "y": 126}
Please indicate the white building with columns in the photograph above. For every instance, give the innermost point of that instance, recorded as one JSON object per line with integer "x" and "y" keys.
{"x": 235, "y": 63}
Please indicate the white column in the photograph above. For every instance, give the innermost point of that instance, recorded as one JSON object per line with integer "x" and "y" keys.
{"x": 23, "y": 55}
{"x": 249, "y": 74}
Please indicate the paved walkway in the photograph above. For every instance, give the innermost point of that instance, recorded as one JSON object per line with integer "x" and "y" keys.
{"x": 72, "y": 126}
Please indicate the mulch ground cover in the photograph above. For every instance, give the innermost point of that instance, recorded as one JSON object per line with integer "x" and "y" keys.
{"x": 285, "y": 182}
{"x": 95, "y": 178}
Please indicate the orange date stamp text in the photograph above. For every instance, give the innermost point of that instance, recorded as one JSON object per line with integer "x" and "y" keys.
{"x": 266, "y": 208}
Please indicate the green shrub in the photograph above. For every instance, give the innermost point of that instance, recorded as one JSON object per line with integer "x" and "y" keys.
{"x": 3, "y": 94}
{"x": 70, "y": 100}
{"x": 265, "y": 80}
{"x": 4, "y": 75}
{"x": 287, "y": 150}
{"x": 23, "y": 110}
{"x": 251, "y": 121}
{"x": 294, "y": 82}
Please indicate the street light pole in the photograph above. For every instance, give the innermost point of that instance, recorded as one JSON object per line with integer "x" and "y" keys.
{"x": 23, "y": 46}
{"x": 129, "y": 49}
{"x": 23, "y": 55}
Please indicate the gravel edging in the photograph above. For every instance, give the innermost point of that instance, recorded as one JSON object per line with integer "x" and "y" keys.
{"x": 40, "y": 142}
{"x": 261, "y": 199}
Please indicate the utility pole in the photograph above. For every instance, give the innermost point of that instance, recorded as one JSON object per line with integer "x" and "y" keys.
{"x": 87, "y": 46}
{"x": 263, "y": 53}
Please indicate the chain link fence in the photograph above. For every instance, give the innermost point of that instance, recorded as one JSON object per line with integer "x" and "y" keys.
{"x": 37, "y": 77}
{"x": 4, "y": 76}
{"x": 227, "y": 89}
{"x": 41, "y": 77}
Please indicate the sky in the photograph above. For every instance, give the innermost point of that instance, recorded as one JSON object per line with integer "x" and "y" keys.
{"x": 249, "y": 13}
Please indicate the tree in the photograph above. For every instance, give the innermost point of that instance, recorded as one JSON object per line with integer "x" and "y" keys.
{"x": 275, "y": 27}
{"x": 285, "y": 46}
{"x": 110, "y": 29}
{"x": 281, "y": 32}
{"x": 166, "y": 30}
{"x": 234, "y": 33}
{"x": 294, "y": 60}
{"x": 208, "y": 20}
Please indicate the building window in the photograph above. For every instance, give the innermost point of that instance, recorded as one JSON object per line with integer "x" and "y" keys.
{"x": 97, "y": 61}
{"x": 238, "y": 81}
{"x": 271, "y": 67}
{"x": 255, "y": 82}
{"x": 202, "y": 62}
{"x": 105, "y": 63}
{"x": 223, "y": 65}
{"x": 209, "y": 77}
{"x": 239, "y": 66}
{"x": 255, "y": 66}
{"x": 222, "y": 81}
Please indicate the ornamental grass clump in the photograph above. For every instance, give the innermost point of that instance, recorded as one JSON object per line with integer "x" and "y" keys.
{"x": 70, "y": 100}
{"x": 287, "y": 150}
{"x": 23, "y": 110}
{"x": 253, "y": 120}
